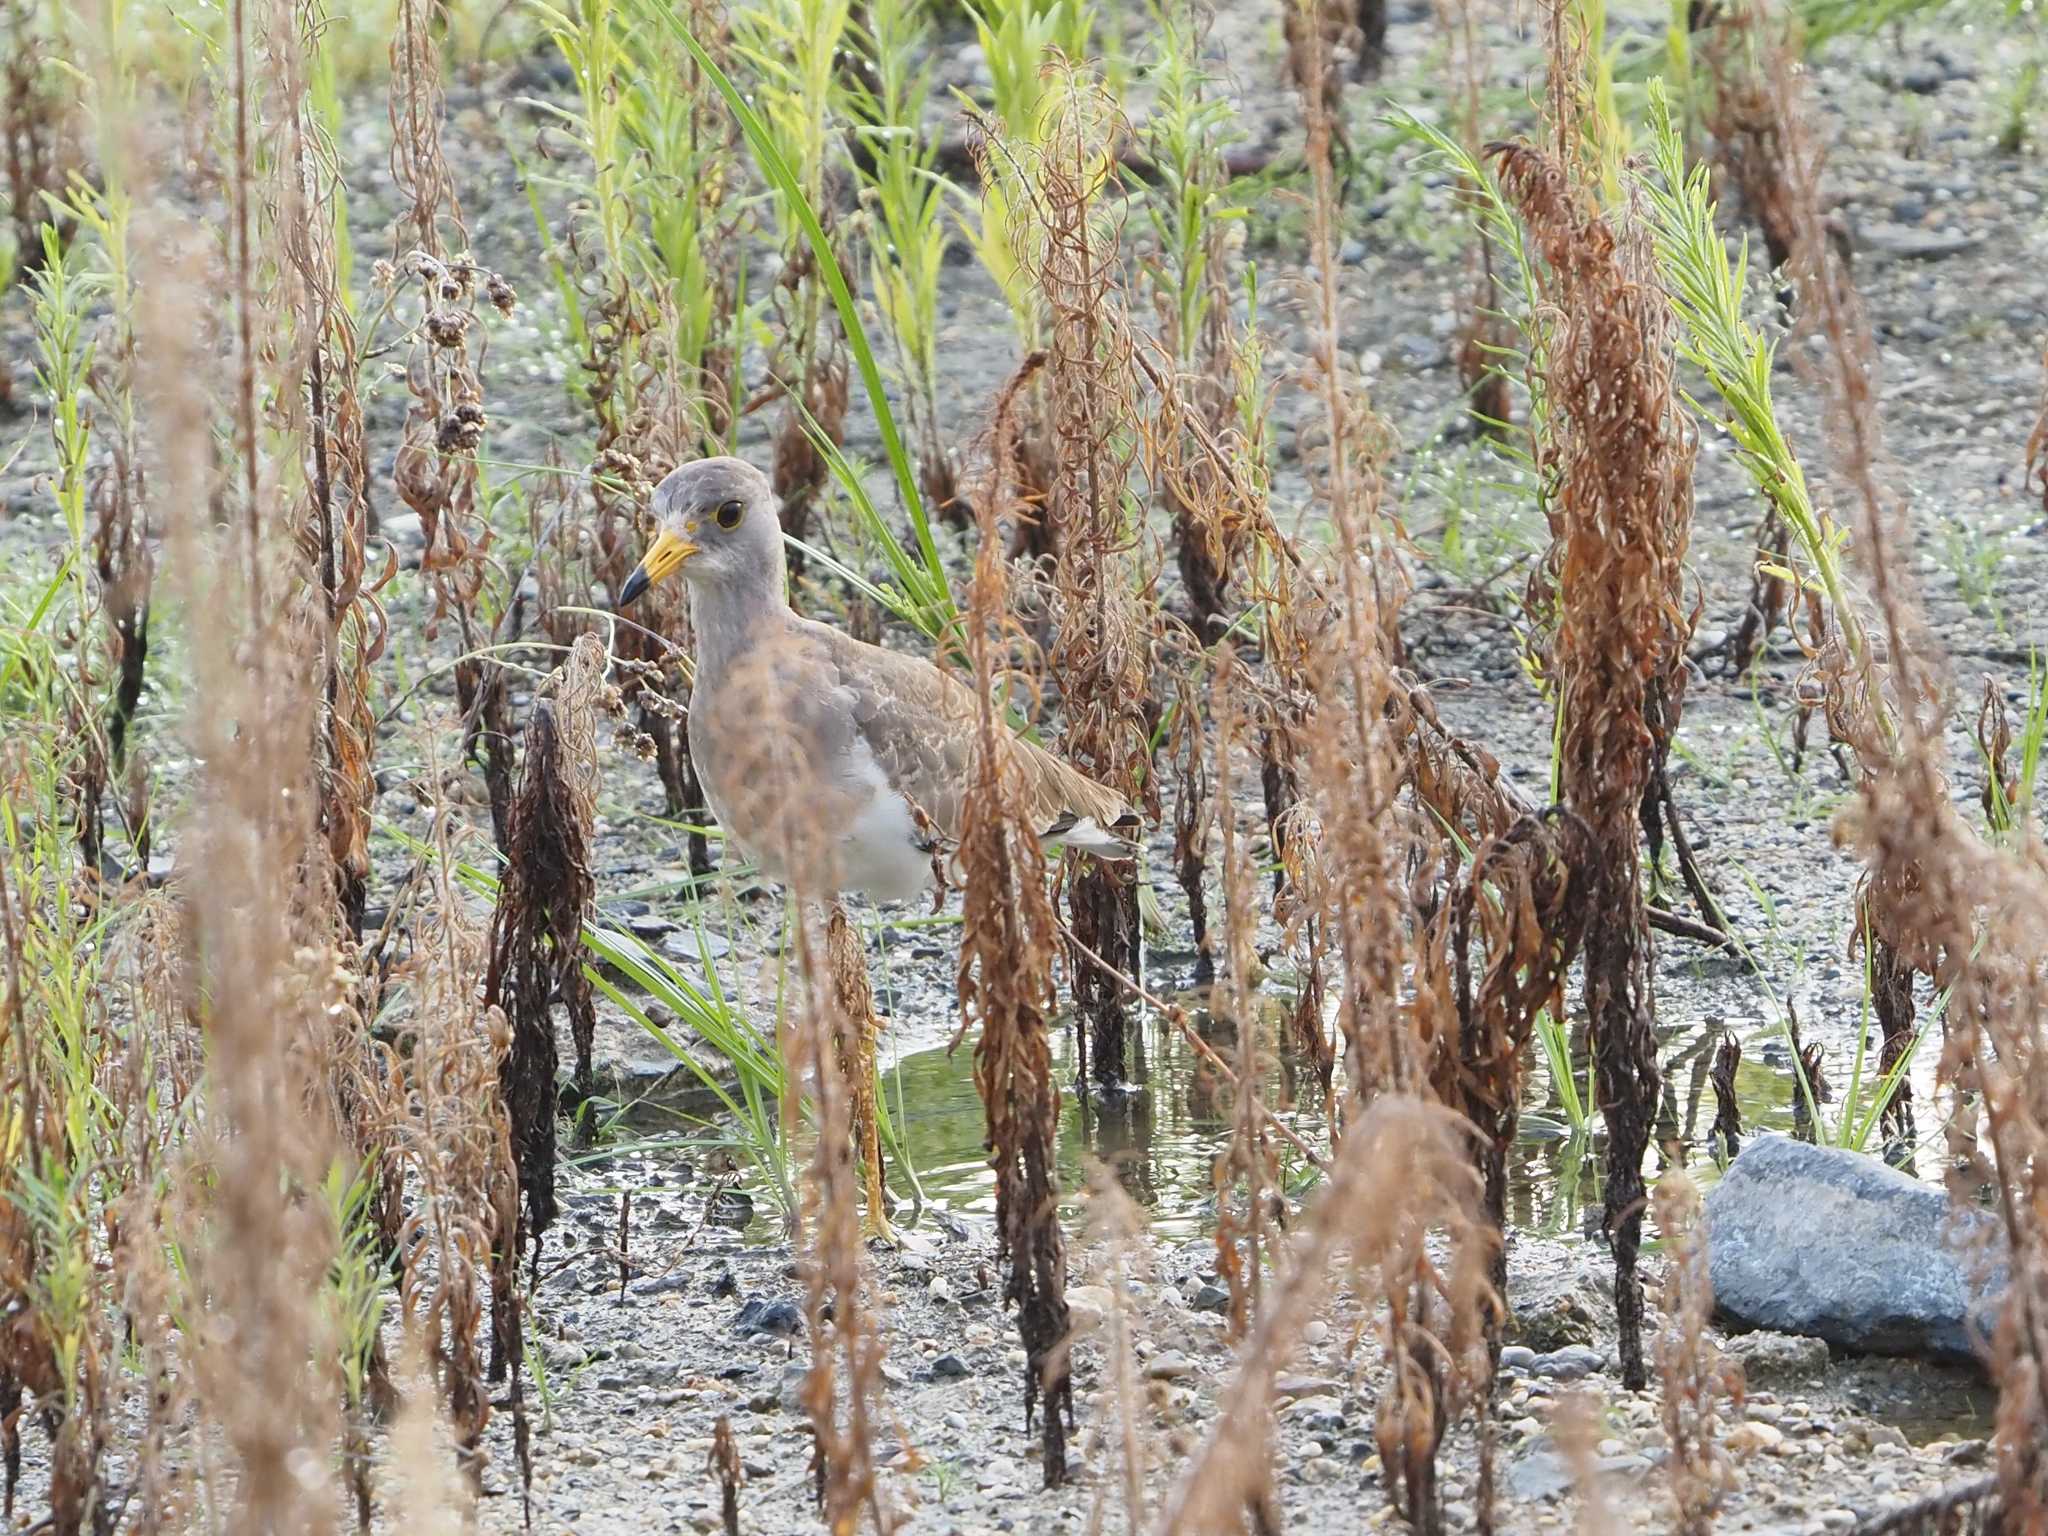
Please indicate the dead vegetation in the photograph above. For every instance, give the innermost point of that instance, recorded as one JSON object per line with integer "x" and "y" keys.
{"x": 283, "y": 1136}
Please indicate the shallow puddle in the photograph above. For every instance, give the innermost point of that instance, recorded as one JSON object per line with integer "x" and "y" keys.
{"x": 1161, "y": 1138}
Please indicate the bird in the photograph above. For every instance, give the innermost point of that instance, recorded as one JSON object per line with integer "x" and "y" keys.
{"x": 837, "y": 766}
{"x": 814, "y": 747}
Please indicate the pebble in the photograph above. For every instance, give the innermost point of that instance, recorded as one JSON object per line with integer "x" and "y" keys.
{"x": 1751, "y": 1438}
{"x": 949, "y": 1367}
{"x": 1210, "y": 1298}
{"x": 784, "y": 1319}
{"x": 1307, "y": 1386}
{"x": 1571, "y": 1363}
{"x": 1086, "y": 1307}
{"x": 1169, "y": 1366}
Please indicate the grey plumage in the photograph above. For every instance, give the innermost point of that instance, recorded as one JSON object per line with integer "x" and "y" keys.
{"x": 814, "y": 746}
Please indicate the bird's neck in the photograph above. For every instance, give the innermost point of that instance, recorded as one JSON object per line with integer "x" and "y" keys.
{"x": 729, "y": 616}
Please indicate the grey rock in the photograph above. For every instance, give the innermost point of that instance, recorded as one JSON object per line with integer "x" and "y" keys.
{"x": 1832, "y": 1244}
{"x": 1539, "y": 1472}
{"x": 949, "y": 1367}
{"x": 1211, "y": 1298}
{"x": 1555, "y": 1308}
{"x": 1571, "y": 1363}
{"x": 1169, "y": 1366}
{"x": 1517, "y": 1357}
{"x": 661, "y": 1285}
{"x": 1923, "y": 79}
{"x": 789, "y": 1392}
{"x": 782, "y": 1318}
{"x": 1908, "y": 244}
{"x": 1769, "y": 1359}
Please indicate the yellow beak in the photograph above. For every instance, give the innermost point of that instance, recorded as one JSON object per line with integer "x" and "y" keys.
{"x": 667, "y": 553}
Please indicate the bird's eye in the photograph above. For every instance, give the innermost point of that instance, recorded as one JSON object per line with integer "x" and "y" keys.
{"x": 730, "y": 513}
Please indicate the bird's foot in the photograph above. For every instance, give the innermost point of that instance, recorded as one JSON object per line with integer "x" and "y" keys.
{"x": 876, "y": 1227}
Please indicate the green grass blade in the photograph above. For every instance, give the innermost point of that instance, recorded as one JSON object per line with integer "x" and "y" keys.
{"x": 768, "y": 157}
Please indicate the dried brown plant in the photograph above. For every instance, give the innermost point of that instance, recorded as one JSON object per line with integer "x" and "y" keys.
{"x": 40, "y": 156}
{"x": 451, "y": 1148}
{"x": 725, "y": 1465}
{"x": 1509, "y": 932}
{"x": 544, "y": 896}
{"x": 1067, "y": 241}
{"x": 1695, "y": 1378}
{"x": 1117, "y": 1428}
{"x": 847, "y": 1347}
{"x": 436, "y": 473}
{"x": 1243, "y": 1242}
{"x": 1402, "y": 1171}
{"x": 1317, "y": 33}
{"x": 1726, "y": 1134}
{"x": 317, "y": 400}
{"x": 1619, "y": 457}
{"x": 1009, "y": 931}
{"x": 857, "y": 1029}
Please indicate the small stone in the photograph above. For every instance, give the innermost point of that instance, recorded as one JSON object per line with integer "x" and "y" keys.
{"x": 1540, "y": 1472}
{"x": 1210, "y": 1298}
{"x": 785, "y": 1319}
{"x": 1570, "y": 1363}
{"x": 789, "y": 1392}
{"x": 1288, "y": 1387}
{"x": 1751, "y": 1438}
{"x": 1769, "y": 1359}
{"x": 939, "y": 1290}
{"x": 1518, "y": 1357}
{"x": 949, "y": 1367}
{"x": 1086, "y": 1307}
{"x": 1310, "y": 1407}
{"x": 1317, "y": 1333}
{"x": 1169, "y": 1366}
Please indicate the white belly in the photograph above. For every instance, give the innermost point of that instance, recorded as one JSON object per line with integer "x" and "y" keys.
{"x": 879, "y": 854}
{"x": 872, "y": 847}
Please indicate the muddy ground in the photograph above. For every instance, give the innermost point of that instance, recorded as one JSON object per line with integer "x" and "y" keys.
{"x": 1951, "y": 256}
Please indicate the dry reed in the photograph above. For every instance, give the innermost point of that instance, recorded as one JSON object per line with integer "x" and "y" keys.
{"x": 1619, "y": 456}
{"x": 1009, "y": 930}
{"x": 1067, "y": 238}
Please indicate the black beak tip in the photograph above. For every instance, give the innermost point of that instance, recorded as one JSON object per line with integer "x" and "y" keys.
{"x": 635, "y": 585}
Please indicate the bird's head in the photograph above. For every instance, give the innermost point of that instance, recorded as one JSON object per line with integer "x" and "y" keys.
{"x": 716, "y": 524}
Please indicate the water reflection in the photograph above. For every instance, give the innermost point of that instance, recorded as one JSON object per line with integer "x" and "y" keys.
{"x": 1162, "y": 1138}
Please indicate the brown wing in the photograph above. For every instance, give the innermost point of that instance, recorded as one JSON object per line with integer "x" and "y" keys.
{"x": 920, "y": 724}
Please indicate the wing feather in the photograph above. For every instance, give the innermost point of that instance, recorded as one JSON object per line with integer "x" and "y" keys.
{"x": 920, "y": 724}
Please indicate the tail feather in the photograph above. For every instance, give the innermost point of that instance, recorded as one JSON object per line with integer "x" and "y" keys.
{"x": 1086, "y": 834}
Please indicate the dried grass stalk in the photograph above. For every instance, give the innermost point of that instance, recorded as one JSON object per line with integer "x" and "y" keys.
{"x": 1403, "y": 1170}
{"x": 847, "y": 1349}
{"x": 263, "y": 980}
{"x": 1100, "y": 653}
{"x": 1008, "y": 934}
{"x": 544, "y": 896}
{"x": 1242, "y": 1241}
{"x": 451, "y": 1146}
{"x": 1619, "y": 457}
{"x": 1695, "y": 1377}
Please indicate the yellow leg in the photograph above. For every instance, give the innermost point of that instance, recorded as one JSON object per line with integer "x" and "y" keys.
{"x": 859, "y": 1027}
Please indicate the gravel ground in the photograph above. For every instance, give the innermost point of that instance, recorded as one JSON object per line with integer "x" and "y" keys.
{"x": 1952, "y": 261}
